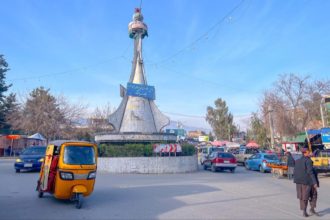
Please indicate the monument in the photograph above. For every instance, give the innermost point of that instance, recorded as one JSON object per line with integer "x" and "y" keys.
{"x": 137, "y": 119}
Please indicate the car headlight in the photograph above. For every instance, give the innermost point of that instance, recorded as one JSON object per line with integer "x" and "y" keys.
{"x": 92, "y": 175}
{"x": 18, "y": 160}
{"x": 41, "y": 160}
{"x": 66, "y": 175}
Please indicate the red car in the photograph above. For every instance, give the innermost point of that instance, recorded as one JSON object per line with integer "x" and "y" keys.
{"x": 220, "y": 161}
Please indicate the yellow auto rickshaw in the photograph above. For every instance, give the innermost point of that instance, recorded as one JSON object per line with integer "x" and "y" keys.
{"x": 68, "y": 170}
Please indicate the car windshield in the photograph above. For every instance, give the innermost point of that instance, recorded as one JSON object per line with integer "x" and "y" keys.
{"x": 324, "y": 154}
{"x": 217, "y": 149}
{"x": 225, "y": 155}
{"x": 78, "y": 155}
{"x": 271, "y": 157}
{"x": 34, "y": 151}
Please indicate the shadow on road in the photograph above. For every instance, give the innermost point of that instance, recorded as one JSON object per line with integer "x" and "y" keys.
{"x": 156, "y": 200}
{"x": 324, "y": 212}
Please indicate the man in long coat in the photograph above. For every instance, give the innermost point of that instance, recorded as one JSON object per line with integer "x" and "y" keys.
{"x": 306, "y": 181}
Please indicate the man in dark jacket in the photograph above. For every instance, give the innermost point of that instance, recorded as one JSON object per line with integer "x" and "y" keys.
{"x": 306, "y": 183}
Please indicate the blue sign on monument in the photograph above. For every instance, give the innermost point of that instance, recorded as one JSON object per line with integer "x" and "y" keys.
{"x": 140, "y": 90}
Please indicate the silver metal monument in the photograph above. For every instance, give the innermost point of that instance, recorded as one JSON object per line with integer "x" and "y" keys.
{"x": 137, "y": 118}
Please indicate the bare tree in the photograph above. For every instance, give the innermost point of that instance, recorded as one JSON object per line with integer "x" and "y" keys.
{"x": 99, "y": 120}
{"x": 74, "y": 117}
{"x": 296, "y": 103}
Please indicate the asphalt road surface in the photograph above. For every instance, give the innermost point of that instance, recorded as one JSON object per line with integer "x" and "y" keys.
{"x": 200, "y": 195}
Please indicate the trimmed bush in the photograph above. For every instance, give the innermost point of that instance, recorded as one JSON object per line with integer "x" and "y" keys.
{"x": 139, "y": 150}
{"x": 188, "y": 149}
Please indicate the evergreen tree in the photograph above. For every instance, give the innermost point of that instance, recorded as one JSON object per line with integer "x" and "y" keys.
{"x": 221, "y": 120}
{"x": 3, "y": 89}
{"x": 257, "y": 131}
{"x": 42, "y": 114}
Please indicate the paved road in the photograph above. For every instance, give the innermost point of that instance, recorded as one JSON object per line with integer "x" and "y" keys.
{"x": 200, "y": 195}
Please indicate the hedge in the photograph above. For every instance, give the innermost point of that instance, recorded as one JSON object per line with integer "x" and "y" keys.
{"x": 139, "y": 150}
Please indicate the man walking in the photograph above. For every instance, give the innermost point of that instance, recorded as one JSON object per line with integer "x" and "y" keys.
{"x": 306, "y": 183}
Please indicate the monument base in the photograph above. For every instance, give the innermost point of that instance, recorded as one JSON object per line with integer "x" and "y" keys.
{"x": 135, "y": 138}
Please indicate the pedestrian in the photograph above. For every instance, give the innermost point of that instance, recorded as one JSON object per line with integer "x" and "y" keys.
{"x": 306, "y": 182}
{"x": 290, "y": 164}
{"x": 9, "y": 151}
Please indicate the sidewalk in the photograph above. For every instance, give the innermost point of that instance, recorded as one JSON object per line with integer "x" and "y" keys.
{"x": 8, "y": 158}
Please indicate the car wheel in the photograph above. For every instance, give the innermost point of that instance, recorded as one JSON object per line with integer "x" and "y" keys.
{"x": 261, "y": 169}
{"x": 247, "y": 166}
{"x": 18, "y": 170}
{"x": 232, "y": 170}
{"x": 204, "y": 167}
{"x": 213, "y": 168}
{"x": 40, "y": 194}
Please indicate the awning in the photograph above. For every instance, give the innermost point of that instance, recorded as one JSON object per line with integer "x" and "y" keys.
{"x": 313, "y": 131}
{"x": 37, "y": 136}
{"x": 252, "y": 144}
{"x": 13, "y": 136}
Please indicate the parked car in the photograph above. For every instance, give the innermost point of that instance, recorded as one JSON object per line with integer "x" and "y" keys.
{"x": 244, "y": 153}
{"x": 220, "y": 161}
{"x": 259, "y": 162}
{"x": 206, "y": 151}
{"x": 30, "y": 159}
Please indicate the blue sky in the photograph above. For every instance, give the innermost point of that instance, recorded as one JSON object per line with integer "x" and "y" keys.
{"x": 193, "y": 55}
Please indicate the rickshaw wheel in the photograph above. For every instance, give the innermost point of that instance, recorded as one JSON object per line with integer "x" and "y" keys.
{"x": 79, "y": 200}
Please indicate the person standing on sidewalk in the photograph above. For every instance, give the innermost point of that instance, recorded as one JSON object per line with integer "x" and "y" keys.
{"x": 291, "y": 164}
{"x": 306, "y": 182}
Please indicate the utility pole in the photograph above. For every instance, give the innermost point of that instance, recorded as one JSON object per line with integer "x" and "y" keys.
{"x": 271, "y": 125}
{"x": 322, "y": 116}
{"x": 229, "y": 132}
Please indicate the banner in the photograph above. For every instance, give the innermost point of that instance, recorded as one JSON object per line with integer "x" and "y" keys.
{"x": 167, "y": 148}
{"x": 140, "y": 90}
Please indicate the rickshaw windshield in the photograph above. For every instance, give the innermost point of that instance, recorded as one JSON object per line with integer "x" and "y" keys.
{"x": 77, "y": 155}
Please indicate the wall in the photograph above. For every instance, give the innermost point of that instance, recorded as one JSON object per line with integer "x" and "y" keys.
{"x": 182, "y": 164}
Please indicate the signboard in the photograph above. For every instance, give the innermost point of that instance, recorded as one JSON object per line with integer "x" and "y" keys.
{"x": 313, "y": 131}
{"x": 325, "y": 132}
{"x": 141, "y": 90}
{"x": 166, "y": 148}
{"x": 203, "y": 138}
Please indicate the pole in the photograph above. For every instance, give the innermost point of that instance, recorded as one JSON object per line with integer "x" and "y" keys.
{"x": 308, "y": 141}
{"x": 322, "y": 116}
{"x": 271, "y": 126}
{"x": 228, "y": 132}
{"x": 11, "y": 148}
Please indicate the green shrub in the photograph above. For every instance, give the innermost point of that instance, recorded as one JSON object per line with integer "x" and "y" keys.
{"x": 188, "y": 150}
{"x": 127, "y": 150}
{"x": 139, "y": 150}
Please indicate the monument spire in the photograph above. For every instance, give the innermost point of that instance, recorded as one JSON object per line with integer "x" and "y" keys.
{"x": 137, "y": 112}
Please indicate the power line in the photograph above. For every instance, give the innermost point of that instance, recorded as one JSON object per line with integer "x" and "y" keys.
{"x": 64, "y": 72}
{"x": 203, "y": 36}
{"x": 82, "y": 68}
{"x": 198, "y": 116}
